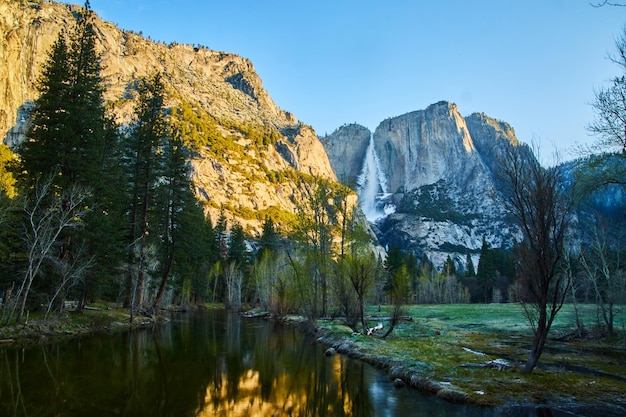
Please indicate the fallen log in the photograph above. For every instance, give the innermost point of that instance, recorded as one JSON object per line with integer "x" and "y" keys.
{"x": 371, "y": 330}
{"x": 386, "y": 318}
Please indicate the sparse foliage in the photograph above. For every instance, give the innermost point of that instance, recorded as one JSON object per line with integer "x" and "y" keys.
{"x": 398, "y": 293}
{"x": 537, "y": 199}
{"x": 602, "y": 264}
{"x": 314, "y": 230}
{"x": 46, "y": 217}
{"x": 607, "y": 165}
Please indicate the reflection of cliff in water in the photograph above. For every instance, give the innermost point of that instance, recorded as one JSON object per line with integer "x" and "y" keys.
{"x": 206, "y": 364}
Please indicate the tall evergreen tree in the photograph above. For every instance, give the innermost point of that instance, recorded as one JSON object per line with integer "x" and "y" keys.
{"x": 449, "y": 268}
{"x": 393, "y": 262}
{"x": 68, "y": 123}
{"x": 149, "y": 132}
{"x": 237, "y": 251}
{"x": 269, "y": 238}
{"x": 174, "y": 196}
{"x": 107, "y": 222}
{"x": 9, "y": 224}
{"x": 485, "y": 276}
{"x": 71, "y": 140}
{"x": 470, "y": 271}
{"x": 196, "y": 253}
{"x": 221, "y": 237}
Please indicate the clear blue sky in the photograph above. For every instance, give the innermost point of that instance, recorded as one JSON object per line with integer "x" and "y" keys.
{"x": 532, "y": 63}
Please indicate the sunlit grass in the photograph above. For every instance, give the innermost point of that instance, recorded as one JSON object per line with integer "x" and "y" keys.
{"x": 451, "y": 343}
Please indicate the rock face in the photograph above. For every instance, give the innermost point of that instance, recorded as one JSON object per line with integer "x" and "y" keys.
{"x": 440, "y": 170}
{"x": 424, "y": 147}
{"x": 225, "y": 84}
{"x": 247, "y": 181}
{"x": 346, "y": 150}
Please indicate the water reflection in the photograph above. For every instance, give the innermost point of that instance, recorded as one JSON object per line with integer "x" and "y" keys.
{"x": 209, "y": 364}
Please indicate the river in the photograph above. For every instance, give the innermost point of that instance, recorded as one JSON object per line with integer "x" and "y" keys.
{"x": 211, "y": 363}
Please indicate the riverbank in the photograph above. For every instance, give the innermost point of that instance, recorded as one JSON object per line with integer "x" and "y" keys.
{"x": 474, "y": 354}
{"x": 471, "y": 354}
{"x": 95, "y": 318}
{"x": 100, "y": 318}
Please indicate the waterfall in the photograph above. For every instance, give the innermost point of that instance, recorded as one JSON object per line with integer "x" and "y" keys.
{"x": 372, "y": 187}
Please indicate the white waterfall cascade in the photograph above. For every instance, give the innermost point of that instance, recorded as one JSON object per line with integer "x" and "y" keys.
{"x": 372, "y": 187}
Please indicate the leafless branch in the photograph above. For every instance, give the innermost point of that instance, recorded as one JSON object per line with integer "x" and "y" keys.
{"x": 607, "y": 3}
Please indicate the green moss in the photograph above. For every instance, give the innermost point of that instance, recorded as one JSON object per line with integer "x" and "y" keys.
{"x": 451, "y": 343}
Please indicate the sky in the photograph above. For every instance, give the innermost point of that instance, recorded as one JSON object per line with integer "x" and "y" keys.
{"x": 535, "y": 64}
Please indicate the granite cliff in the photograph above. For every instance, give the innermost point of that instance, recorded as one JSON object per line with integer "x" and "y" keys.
{"x": 247, "y": 176}
{"x": 441, "y": 179}
{"x": 346, "y": 147}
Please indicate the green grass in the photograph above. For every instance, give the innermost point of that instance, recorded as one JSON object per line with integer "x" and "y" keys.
{"x": 448, "y": 343}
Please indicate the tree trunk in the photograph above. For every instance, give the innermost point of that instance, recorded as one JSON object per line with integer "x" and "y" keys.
{"x": 324, "y": 295}
{"x": 80, "y": 309}
{"x": 539, "y": 341}
{"x": 395, "y": 318}
{"x": 22, "y": 307}
{"x": 362, "y": 314}
{"x": 609, "y": 321}
{"x": 141, "y": 280}
{"x": 161, "y": 290}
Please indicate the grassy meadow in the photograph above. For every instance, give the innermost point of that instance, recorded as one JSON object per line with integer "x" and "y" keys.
{"x": 452, "y": 343}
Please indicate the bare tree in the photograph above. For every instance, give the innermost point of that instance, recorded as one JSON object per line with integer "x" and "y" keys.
{"x": 607, "y": 3}
{"x": 47, "y": 217}
{"x": 604, "y": 270}
{"x": 317, "y": 221}
{"x": 270, "y": 287}
{"x": 346, "y": 297}
{"x": 362, "y": 271}
{"x": 234, "y": 281}
{"x": 570, "y": 268}
{"x": 398, "y": 293}
{"x": 607, "y": 163}
{"x": 71, "y": 271}
{"x": 537, "y": 199}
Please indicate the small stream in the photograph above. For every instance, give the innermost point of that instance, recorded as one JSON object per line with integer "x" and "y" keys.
{"x": 203, "y": 364}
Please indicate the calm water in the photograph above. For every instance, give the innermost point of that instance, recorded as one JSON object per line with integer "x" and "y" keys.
{"x": 203, "y": 364}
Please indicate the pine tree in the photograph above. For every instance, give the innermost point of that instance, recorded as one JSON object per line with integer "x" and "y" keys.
{"x": 449, "y": 268}
{"x": 269, "y": 238}
{"x": 174, "y": 196}
{"x": 70, "y": 140}
{"x": 196, "y": 252}
{"x": 470, "y": 271}
{"x": 10, "y": 233}
{"x": 485, "y": 276}
{"x": 237, "y": 251}
{"x": 221, "y": 237}
{"x": 107, "y": 222}
{"x": 393, "y": 262}
{"x": 144, "y": 165}
{"x": 68, "y": 123}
